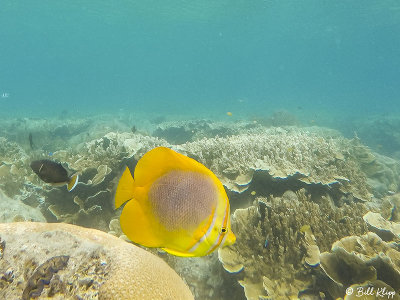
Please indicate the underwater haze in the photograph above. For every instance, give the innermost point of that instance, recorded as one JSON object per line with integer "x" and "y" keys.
{"x": 200, "y": 149}
{"x": 200, "y": 57}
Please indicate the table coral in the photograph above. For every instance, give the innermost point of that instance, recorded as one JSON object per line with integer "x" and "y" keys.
{"x": 386, "y": 229}
{"x": 356, "y": 260}
{"x": 312, "y": 157}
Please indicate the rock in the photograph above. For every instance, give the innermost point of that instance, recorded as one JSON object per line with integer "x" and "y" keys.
{"x": 63, "y": 261}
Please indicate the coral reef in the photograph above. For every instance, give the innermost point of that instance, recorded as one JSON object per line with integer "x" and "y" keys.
{"x": 272, "y": 250}
{"x": 360, "y": 260}
{"x": 383, "y": 172}
{"x": 386, "y": 230}
{"x": 100, "y": 163}
{"x": 206, "y": 277}
{"x": 13, "y": 162}
{"x": 372, "y": 290}
{"x": 296, "y": 191}
{"x": 62, "y": 261}
{"x": 180, "y": 132}
{"x": 309, "y": 157}
{"x": 381, "y": 132}
{"x": 12, "y": 210}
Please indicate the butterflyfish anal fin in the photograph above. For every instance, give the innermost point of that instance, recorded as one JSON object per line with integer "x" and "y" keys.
{"x": 73, "y": 182}
{"x": 160, "y": 161}
{"x": 139, "y": 226}
{"x": 125, "y": 189}
{"x": 178, "y": 253}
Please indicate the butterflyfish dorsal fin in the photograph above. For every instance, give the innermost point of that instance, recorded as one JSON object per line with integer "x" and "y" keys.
{"x": 162, "y": 160}
{"x": 125, "y": 189}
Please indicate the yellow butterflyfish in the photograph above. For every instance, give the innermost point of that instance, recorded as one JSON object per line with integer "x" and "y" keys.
{"x": 175, "y": 203}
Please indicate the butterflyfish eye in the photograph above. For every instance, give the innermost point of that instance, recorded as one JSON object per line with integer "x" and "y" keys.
{"x": 223, "y": 230}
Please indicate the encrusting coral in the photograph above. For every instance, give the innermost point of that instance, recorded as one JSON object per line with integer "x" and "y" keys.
{"x": 80, "y": 263}
{"x": 271, "y": 249}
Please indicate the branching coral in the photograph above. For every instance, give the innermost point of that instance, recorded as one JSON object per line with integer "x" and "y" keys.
{"x": 270, "y": 247}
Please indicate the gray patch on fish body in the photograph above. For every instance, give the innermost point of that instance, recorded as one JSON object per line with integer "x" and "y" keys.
{"x": 50, "y": 171}
{"x": 183, "y": 199}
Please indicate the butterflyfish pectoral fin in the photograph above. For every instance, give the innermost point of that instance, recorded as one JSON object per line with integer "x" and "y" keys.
{"x": 161, "y": 160}
{"x": 125, "y": 189}
{"x": 72, "y": 182}
{"x": 139, "y": 226}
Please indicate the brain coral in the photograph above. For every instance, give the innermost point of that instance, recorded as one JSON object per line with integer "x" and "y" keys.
{"x": 80, "y": 263}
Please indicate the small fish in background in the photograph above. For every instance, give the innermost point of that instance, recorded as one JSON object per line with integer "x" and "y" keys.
{"x": 229, "y": 114}
{"x": 31, "y": 141}
{"x": 174, "y": 203}
{"x": 54, "y": 173}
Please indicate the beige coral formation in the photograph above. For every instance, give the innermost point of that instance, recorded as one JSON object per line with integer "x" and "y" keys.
{"x": 383, "y": 172}
{"x": 13, "y": 162}
{"x": 96, "y": 265}
{"x": 361, "y": 260}
{"x": 100, "y": 162}
{"x": 272, "y": 250}
{"x": 386, "y": 229}
{"x": 327, "y": 174}
{"x": 12, "y": 210}
{"x": 311, "y": 157}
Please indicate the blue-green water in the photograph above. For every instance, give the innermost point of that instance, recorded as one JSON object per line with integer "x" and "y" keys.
{"x": 316, "y": 59}
{"x": 94, "y": 85}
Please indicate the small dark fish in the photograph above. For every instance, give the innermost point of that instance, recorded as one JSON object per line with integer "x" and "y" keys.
{"x": 31, "y": 141}
{"x": 54, "y": 173}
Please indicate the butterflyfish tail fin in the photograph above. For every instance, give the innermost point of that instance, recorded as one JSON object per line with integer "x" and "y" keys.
{"x": 125, "y": 188}
{"x": 72, "y": 182}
